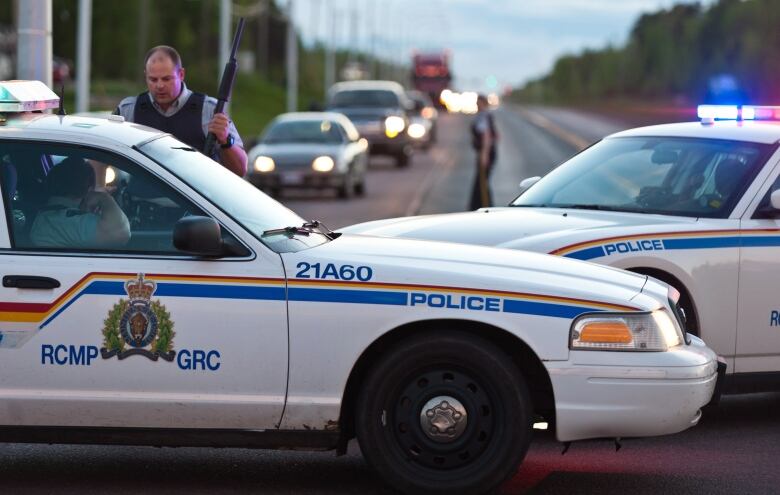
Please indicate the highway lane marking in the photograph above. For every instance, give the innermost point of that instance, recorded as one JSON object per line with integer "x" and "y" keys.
{"x": 543, "y": 122}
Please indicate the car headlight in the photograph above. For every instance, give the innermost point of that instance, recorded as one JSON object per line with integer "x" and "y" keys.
{"x": 323, "y": 164}
{"x": 264, "y": 164}
{"x": 416, "y": 131}
{"x": 654, "y": 331}
{"x": 110, "y": 175}
{"x": 394, "y": 125}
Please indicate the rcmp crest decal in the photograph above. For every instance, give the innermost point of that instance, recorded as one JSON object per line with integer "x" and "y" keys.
{"x": 138, "y": 325}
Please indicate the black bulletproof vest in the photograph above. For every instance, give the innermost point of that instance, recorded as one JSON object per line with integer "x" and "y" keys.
{"x": 184, "y": 124}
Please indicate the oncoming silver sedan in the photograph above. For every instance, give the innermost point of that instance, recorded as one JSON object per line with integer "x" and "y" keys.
{"x": 310, "y": 150}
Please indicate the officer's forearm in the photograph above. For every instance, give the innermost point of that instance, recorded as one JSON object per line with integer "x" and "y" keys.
{"x": 234, "y": 159}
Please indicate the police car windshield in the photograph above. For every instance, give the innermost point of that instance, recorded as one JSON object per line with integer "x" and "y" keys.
{"x": 236, "y": 197}
{"x": 660, "y": 175}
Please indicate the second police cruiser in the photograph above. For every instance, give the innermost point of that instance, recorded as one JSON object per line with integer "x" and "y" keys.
{"x": 696, "y": 205}
{"x": 227, "y": 320}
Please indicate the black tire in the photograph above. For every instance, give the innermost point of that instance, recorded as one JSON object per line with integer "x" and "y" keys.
{"x": 691, "y": 322}
{"x": 421, "y": 376}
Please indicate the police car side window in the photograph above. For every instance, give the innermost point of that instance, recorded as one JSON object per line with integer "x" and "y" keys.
{"x": 67, "y": 198}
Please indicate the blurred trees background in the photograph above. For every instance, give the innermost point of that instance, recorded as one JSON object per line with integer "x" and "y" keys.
{"x": 671, "y": 56}
{"x": 674, "y": 55}
{"x": 122, "y": 33}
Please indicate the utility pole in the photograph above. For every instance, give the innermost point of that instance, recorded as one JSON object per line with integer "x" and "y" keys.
{"x": 263, "y": 26}
{"x": 330, "y": 55}
{"x": 292, "y": 61}
{"x": 33, "y": 48}
{"x": 372, "y": 19}
{"x": 143, "y": 31}
{"x": 83, "y": 55}
{"x": 355, "y": 48}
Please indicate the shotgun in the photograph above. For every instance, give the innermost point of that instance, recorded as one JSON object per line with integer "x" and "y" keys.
{"x": 225, "y": 86}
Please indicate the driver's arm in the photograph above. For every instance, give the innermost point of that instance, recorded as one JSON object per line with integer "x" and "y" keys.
{"x": 113, "y": 227}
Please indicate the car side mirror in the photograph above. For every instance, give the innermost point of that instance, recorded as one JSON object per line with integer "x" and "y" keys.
{"x": 198, "y": 235}
{"x": 774, "y": 199}
{"x": 525, "y": 184}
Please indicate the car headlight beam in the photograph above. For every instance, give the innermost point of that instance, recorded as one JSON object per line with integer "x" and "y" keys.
{"x": 323, "y": 164}
{"x": 264, "y": 164}
{"x": 653, "y": 331}
{"x": 394, "y": 125}
{"x": 416, "y": 131}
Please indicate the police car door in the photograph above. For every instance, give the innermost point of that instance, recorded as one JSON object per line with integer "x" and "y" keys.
{"x": 758, "y": 332}
{"x": 137, "y": 334}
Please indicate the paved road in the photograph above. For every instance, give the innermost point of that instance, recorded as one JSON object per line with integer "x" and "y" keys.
{"x": 735, "y": 449}
{"x": 439, "y": 180}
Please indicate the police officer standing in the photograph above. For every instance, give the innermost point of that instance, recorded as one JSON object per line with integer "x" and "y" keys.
{"x": 483, "y": 139}
{"x": 170, "y": 106}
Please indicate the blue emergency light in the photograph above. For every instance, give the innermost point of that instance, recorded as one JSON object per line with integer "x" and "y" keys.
{"x": 738, "y": 112}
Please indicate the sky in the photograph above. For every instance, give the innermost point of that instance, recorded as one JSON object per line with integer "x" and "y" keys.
{"x": 512, "y": 40}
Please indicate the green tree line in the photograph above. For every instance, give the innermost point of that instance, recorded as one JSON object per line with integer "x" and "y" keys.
{"x": 122, "y": 33}
{"x": 674, "y": 54}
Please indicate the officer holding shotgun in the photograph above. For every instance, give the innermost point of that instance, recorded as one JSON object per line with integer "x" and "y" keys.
{"x": 170, "y": 106}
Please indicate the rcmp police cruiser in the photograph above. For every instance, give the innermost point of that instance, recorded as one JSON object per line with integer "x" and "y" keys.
{"x": 695, "y": 204}
{"x": 170, "y": 106}
{"x": 227, "y": 320}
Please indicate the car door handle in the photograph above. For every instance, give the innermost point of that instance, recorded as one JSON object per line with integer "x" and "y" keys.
{"x": 30, "y": 282}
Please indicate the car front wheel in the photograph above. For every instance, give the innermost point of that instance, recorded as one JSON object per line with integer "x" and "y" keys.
{"x": 446, "y": 412}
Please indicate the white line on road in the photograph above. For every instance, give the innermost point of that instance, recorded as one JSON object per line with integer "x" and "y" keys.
{"x": 546, "y": 124}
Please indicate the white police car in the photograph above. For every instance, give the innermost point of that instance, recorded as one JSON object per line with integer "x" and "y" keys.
{"x": 209, "y": 314}
{"x": 694, "y": 204}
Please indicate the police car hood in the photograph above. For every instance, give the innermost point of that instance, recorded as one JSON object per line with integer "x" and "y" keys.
{"x": 442, "y": 264}
{"x": 537, "y": 229}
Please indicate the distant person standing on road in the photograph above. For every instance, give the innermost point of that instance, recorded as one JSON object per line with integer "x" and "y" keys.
{"x": 168, "y": 105}
{"x": 483, "y": 139}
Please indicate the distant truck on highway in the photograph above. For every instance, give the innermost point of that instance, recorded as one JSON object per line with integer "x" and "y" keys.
{"x": 431, "y": 74}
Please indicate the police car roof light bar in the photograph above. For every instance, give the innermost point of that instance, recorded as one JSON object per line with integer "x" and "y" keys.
{"x": 718, "y": 112}
{"x": 26, "y": 96}
{"x": 738, "y": 112}
{"x": 762, "y": 112}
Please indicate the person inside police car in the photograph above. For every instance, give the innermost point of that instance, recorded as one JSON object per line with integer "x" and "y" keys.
{"x": 75, "y": 214}
{"x": 170, "y": 106}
